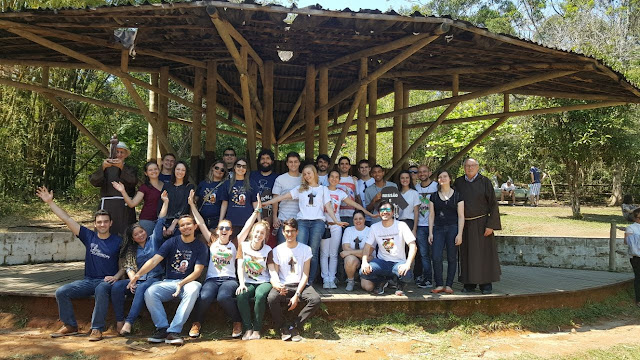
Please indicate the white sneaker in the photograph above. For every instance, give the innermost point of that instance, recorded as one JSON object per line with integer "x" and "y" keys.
{"x": 350, "y": 284}
{"x": 326, "y": 285}
{"x": 333, "y": 285}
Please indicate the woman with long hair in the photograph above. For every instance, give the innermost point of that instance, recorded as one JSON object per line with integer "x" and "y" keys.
{"x": 353, "y": 247}
{"x": 221, "y": 283}
{"x": 313, "y": 201}
{"x": 138, "y": 247}
{"x": 409, "y": 215}
{"x": 237, "y": 196}
{"x": 446, "y": 223}
{"x": 178, "y": 190}
{"x": 330, "y": 247}
{"x": 208, "y": 194}
{"x": 149, "y": 192}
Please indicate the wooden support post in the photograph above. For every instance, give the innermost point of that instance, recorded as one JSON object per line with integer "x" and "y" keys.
{"x": 347, "y": 125}
{"x": 69, "y": 115}
{"x": 373, "y": 126}
{"x": 163, "y": 107}
{"x": 248, "y": 111}
{"x": 152, "y": 140}
{"x": 211, "y": 136}
{"x": 309, "y": 111}
{"x": 268, "y": 132}
{"x": 397, "y": 121}
{"x": 196, "y": 120}
{"x": 252, "y": 69}
{"x": 323, "y": 98}
{"x": 361, "y": 124}
{"x": 478, "y": 138}
{"x": 405, "y": 125}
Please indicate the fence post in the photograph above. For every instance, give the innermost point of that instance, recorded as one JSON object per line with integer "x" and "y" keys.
{"x": 612, "y": 247}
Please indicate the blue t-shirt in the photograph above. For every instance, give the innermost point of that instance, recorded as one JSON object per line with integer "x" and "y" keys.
{"x": 240, "y": 202}
{"x": 536, "y": 174}
{"x": 149, "y": 250}
{"x": 209, "y": 202}
{"x": 164, "y": 178}
{"x": 264, "y": 186}
{"x": 181, "y": 257}
{"x": 101, "y": 257}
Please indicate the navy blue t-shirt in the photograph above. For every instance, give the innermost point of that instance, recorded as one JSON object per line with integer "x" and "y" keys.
{"x": 164, "y": 178}
{"x": 101, "y": 257}
{"x": 240, "y": 202}
{"x": 180, "y": 257}
{"x": 263, "y": 185}
{"x": 209, "y": 202}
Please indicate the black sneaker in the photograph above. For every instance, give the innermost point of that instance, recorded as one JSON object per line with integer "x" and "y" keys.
{"x": 285, "y": 334}
{"x": 174, "y": 339}
{"x": 380, "y": 288}
{"x": 401, "y": 288}
{"x": 158, "y": 336}
{"x": 295, "y": 335}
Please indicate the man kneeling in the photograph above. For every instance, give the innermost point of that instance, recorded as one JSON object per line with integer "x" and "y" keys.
{"x": 186, "y": 257}
{"x": 289, "y": 277}
{"x": 390, "y": 236}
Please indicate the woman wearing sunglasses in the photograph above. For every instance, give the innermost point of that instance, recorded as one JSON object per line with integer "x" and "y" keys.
{"x": 208, "y": 194}
{"x": 220, "y": 284}
{"x": 237, "y": 195}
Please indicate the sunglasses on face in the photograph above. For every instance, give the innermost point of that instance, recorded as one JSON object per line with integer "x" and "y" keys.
{"x": 385, "y": 210}
{"x": 218, "y": 168}
{"x": 413, "y": 171}
{"x": 244, "y": 166}
{"x": 223, "y": 228}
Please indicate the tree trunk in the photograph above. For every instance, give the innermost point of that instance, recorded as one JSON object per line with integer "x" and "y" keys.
{"x": 616, "y": 189}
{"x": 574, "y": 181}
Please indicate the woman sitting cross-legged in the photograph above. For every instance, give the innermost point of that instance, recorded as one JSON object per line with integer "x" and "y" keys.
{"x": 137, "y": 249}
{"x": 253, "y": 274}
{"x": 353, "y": 246}
{"x": 221, "y": 283}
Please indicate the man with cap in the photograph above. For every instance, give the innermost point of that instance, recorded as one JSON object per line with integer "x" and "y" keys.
{"x": 110, "y": 199}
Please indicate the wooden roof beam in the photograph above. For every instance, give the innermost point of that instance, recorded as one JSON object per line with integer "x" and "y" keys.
{"x": 291, "y": 115}
{"x": 487, "y": 69}
{"x": 352, "y": 112}
{"x": 67, "y": 65}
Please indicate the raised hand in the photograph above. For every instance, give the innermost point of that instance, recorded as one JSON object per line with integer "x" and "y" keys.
{"x": 118, "y": 186}
{"x": 43, "y": 193}
{"x": 192, "y": 195}
{"x": 164, "y": 196}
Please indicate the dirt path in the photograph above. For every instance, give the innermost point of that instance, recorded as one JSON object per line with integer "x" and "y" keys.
{"x": 389, "y": 345}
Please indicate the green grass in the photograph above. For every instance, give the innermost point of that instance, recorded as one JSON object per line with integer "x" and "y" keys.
{"x": 441, "y": 324}
{"x": 76, "y": 355}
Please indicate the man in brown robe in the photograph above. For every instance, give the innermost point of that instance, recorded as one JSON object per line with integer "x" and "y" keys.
{"x": 478, "y": 252}
{"x": 110, "y": 198}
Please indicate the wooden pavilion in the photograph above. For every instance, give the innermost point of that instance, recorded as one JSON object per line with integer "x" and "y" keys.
{"x": 282, "y": 73}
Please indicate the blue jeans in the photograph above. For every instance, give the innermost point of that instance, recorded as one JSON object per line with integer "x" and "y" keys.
{"x": 223, "y": 291}
{"x": 81, "y": 289}
{"x": 381, "y": 270}
{"x": 445, "y": 237}
{"x": 310, "y": 233}
{"x": 118, "y": 293}
{"x": 424, "y": 250}
{"x": 162, "y": 291}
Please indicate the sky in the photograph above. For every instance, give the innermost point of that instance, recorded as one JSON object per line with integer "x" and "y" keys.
{"x": 356, "y": 5}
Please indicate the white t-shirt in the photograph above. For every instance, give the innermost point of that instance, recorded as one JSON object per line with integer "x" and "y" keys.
{"x": 254, "y": 263}
{"x": 336, "y": 196}
{"x": 323, "y": 179}
{"x": 361, "y": 186}
{"x": 311, "y": 209}
{"x": 287, "y": 209}
{"x": 507, "y": 187}
{"x": 348, "y": 185}
{"x": 222, "y": 260}
{"x": 425, "y": 194}
{"x": 633, "y": 239}
{"x": 291, "y": 262}
{"x": 413, "y": 199}
{"x": 351, "y": 234}
{"x": 391, "y": 240}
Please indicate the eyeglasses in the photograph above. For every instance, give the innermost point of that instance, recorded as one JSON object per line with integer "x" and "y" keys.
{"x": 223, "y": 228}
{"x": 218, "y": 168}
{"x": 385, "y": 210}
{"x": 244, "y": 166}
{"x": 413, "y": 171}
{"x": 231, "y": 154}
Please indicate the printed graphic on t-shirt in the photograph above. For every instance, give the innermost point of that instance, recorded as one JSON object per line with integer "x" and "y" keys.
{"x": 238, "y": 197}
{"x": 292, "y": 263}
{"x": 221, "y": 257}
{"x": 424, "y": 203}
{"x": 388, "y": 244}
{"x": 95, "y": 251}
{"x": 209, "y": 197}
{"x": 180, "y": 262}
{"x": 335, "y": 200}
{"x": 312, "y": 196}
{"x": 253, "y": 266}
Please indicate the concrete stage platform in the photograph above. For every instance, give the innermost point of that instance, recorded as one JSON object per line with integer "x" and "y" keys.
{"x": 522, "y": 289}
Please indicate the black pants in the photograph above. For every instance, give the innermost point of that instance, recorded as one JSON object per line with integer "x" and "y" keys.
{"x": 278, "y": 304}
{"x": 635, "y": 264}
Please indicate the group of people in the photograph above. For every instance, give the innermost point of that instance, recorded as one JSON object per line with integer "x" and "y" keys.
{"x": 269, "y": 237}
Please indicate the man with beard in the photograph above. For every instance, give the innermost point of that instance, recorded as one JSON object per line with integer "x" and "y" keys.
{"x": 322, "y": 164}
{"x": 479, "y": 261}
{"x": 263, "y": 179}
{"x": 168, "y": 162}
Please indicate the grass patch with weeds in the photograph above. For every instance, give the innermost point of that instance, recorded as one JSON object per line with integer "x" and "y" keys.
{"x": 76, "y": 355}
{"x": 626, "y": 352}
{"x": 21, "y": 316}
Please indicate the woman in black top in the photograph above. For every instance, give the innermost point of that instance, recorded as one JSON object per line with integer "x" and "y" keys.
{"x": 446, "y": 222}
{"x": 178, "y": 190}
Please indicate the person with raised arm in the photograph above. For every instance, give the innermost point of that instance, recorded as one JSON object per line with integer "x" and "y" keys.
{"x": 149, "y": 192}
{"x": 100, "y": 269}
{"x": 221, "y": 283}
{"x": 238, "y": 198}
{"x": 289, "y": 277}
{"x": 186, "y": 258}
{"x": 409, "y": 215}
{"x": 313, "y": 200}
{"x": 139, "y": 247}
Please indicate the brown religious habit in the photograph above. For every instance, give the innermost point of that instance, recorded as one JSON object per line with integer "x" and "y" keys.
{"x": 111, "y": 199}
{"x": 479, "y": 261}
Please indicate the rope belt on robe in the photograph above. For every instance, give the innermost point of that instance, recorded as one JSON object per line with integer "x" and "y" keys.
{"x": 109, "y": 198}
{"x": 476, "y": 217}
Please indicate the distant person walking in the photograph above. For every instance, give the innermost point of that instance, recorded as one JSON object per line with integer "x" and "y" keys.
{"x": 534, "y": 187}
